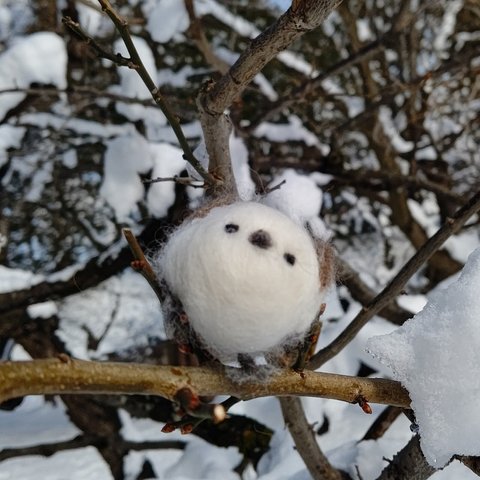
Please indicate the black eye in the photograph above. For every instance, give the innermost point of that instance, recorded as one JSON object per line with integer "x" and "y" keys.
{"x": 231, "y": 228}
{"x": 289, "y": 258}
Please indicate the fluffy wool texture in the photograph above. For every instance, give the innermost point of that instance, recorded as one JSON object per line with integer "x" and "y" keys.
{"x": 244, "y": 277}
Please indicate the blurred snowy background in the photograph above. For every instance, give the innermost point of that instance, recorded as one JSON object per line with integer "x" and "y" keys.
{"x": 372, "y": 120}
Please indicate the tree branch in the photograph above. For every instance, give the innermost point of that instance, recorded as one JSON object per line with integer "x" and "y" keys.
{"x": 383, "y": 180}
{"x": 81, "y": 441}
{"x": 305, "y": 441}
{"x": 216, "y": 97}
{"x": 382, "y": 423}
{"x": 301, "y": 17}
{"x": 61, "y": 376}
{"x": 95, "y": 271}
{"x": 408, "y": 463}
{"x": 142, "y": 265}
{"x": 311, "y": 86}
{"x": 198, "y": 36}
{"x": 450, "y": 227}
{"x": 80, "y": 90}
{"x": 135, "y": 63}
{"x": 363, "y": 294}
{"x": 91, "y": 42}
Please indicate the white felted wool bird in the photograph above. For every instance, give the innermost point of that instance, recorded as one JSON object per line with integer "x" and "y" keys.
{"x": 243, "y": 281}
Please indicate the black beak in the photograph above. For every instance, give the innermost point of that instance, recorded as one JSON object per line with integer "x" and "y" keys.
{"x": 261, "y": 239}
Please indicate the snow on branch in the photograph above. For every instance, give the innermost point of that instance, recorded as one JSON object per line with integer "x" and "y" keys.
{"x": 436, "y": 356}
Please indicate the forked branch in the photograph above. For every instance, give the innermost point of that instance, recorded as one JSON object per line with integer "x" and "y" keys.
{"x": 216, "y": 97}
{"x": 135, "y": 62}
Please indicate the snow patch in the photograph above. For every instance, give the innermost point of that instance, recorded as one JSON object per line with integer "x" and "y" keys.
{"x": 447, "y": 26}
{"x": 300, "y": 198}
{"x": 12, "y": 279}
{"x": 40, "y": 57}
{"x": 34, "y": 422}
{"x": 167, "y": 162}
{"x": 291, "y": 131}
{"x": 10, "y": 136}
{"x": 201, "y": 460}
{"x": 125, "y": 158}
{"x": 392, "y": 132}
{"x": 241, "y": 167}
{"x": 42, "y": 310}
{"x": 166, "y": 19}
{"x": 123, "y": 312}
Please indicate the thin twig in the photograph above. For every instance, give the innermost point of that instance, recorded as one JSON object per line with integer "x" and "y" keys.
{"x": 310, "y": 87}
{"x": 192, "y": 421}
{"x": 278, "y": 186}
{"x": 122, "y": 26}
{"x": 382, "y": 423}
{"x": 118, "y": 59}
{"x": 62, "y": 376}
{"x": 188, "y": 181}
{"x": 200, "y": 39}
{"x": 135, "y": 63}
{"x": 396, "y": 285}
{"x": 142, "y": 265}
{"x": 80, "y": 90}
{"x": 385, "y": 180}
{"x": 363, "y": 294}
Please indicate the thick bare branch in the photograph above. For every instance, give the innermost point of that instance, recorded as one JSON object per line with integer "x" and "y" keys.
{"x": 216, "y": 133}
{"x": 301, "y": 17}
{"x": 216, "y": 97}
{"x": 60, "y": 376}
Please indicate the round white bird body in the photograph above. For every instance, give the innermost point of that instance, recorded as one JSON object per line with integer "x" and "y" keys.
{"x": 245, "y": 277}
